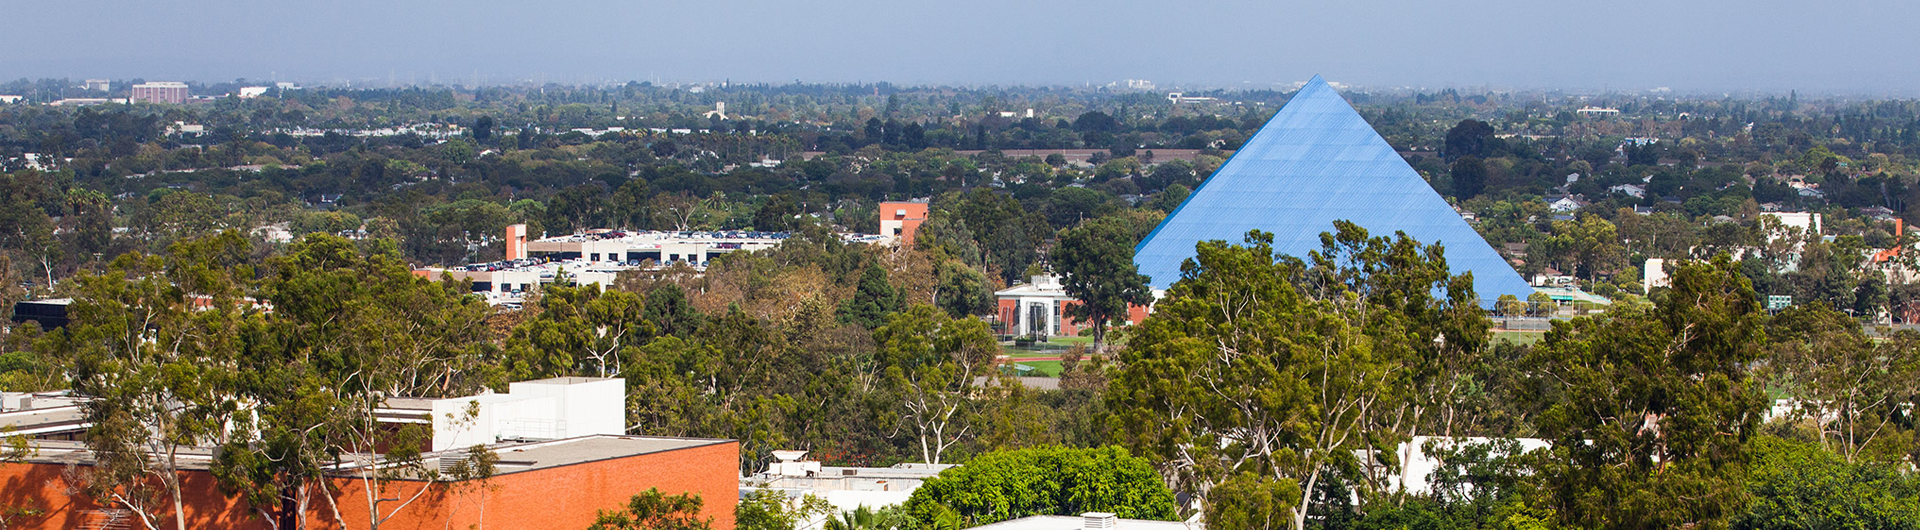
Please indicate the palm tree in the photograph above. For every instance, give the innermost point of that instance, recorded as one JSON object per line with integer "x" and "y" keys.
{"x": 863, "y": 518}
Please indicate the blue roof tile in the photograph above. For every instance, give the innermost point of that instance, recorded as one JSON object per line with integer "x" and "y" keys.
{"x": 1315, "y": 162}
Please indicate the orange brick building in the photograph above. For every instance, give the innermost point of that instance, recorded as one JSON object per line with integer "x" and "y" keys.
{"x": 902, "y": 219}
{"x": 560, "y": 484}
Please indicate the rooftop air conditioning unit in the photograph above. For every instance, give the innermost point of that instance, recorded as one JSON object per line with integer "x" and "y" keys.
{"x": 1097, "y": 520}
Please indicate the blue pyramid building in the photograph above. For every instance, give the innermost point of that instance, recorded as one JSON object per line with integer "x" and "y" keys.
{"x": 1317, "y": 161}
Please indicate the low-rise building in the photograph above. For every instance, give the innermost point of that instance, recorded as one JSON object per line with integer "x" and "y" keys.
{"x": 846, "y": 488}
{"x": 1038, "y": 309}
{"x": 1568, "y": 203}
{"x": 901, "y": 220}
{"x": 181, "y": 128}
{"x": 80, "y": 102}
{"x": 548, "y": 484}
{"x": 599, "y": 256}
{"x": 560, "y": 457}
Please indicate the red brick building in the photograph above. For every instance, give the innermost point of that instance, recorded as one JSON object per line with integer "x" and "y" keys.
{"x": 1038, "y": 308}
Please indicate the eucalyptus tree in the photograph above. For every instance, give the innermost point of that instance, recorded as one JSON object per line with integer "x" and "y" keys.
{"x": 1651, "y": 411}
{"x": 153, "y": 344}
{"x": 1269, "y": 375}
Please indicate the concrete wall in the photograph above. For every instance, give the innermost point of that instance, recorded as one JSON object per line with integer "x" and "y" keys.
{"x": 586, "y": 407}
{"x": 551, "y": 409}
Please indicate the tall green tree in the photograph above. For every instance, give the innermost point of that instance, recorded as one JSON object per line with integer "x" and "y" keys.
{"x": 873, "y": 299}
{"x": 1095, "y": 261}
{"x": 931, "y": 362}
{"x": 1469, "y": 175}
{"x": 769, "y": 509}
{"x": 1852, "y": 389}
{"x": 1798, "y": 485}
{"x": 1050, "y": 480}
{"x": 1272, "y": 373}
{"x": 154, "y": 342}
{"x": 1651, "y": 411}
{"x": 1470, "y": 137}
{"x": 653, "y": 510}
{"x": 349, "y": 329}
{"x": 1239, "y": 371}
{"x": 579, "y": 330}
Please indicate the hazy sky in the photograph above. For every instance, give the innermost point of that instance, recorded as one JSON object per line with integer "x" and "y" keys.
{"x": 1869, "y": 47}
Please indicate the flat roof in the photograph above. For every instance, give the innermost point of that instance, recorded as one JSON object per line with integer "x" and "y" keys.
{"x": 514, "y": 457}
{"x": 880, "y": 472}
{"x": 549, "y": 454}
{"x": 566, "y": 380}
{"x": 41, "y": 421}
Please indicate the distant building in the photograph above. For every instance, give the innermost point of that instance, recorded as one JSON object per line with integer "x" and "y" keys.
{"x": 1178, "y": 98}
{"x": 1317, "y": 161}
{"x": 1878, "y": 213}
{"x": 9, "y": 100}
{"x": 100, "y": 85}
{"x": 1571, "y": 295}
{"x": 599, "y": 256}
{"x": 1567, "y": 204}
{"x": 168, "y": 92}
{"x": 846, "y": 488}
{"x": 1038, "y": 309}
{"x": 1597, "y": 111}
{"x": 1654, "y": 274}
{"x": 1633, "y": 190}
{"x": 1807, "y": 222}
{"x": 181, "y": 128}
{"x": 1421, "y": 467}
{"x": 901, "y": 220}
{"x": 80, "y": 102}
{"x": 253, "y": 91}
{"x": 49, "y": 314}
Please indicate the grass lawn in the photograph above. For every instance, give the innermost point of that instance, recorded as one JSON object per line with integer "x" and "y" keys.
{"x": 1519, "y": 337}
{"x": 1043, "y": 368}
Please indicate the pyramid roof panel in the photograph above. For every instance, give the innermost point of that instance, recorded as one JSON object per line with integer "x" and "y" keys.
{"x": 1315, "y": 162}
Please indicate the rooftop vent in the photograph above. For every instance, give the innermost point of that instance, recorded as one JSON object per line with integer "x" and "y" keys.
{"x": 1100, "y": 520}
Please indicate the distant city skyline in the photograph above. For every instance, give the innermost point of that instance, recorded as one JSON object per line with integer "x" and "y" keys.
{"x": 1692, "y": 47}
